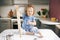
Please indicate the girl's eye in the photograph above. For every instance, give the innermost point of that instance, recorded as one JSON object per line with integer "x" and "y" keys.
{"x": 30, "y": 11}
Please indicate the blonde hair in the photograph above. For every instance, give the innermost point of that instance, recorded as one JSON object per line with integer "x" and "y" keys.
{"x": 29, "y": 6}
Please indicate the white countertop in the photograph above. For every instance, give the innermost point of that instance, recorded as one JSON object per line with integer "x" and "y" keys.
{"x": 49, "y": 22}
{"x": 5, "y": 18}
{"x": 46, "y": 21}
{"x": 16, "y": 19}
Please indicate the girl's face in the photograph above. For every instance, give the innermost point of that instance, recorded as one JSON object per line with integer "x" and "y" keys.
{"x": 30, "y": 11}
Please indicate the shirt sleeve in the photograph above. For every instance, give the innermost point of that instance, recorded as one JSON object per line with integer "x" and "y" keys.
{"x": 23, "y": 16}
{"x": 33, "y": 18}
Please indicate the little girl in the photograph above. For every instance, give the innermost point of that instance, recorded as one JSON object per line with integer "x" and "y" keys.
{"x": 29, "y": 22}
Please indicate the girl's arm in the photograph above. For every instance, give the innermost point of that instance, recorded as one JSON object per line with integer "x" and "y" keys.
{"x": 32, "y": 23}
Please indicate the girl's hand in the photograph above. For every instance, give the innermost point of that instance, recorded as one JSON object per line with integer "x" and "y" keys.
{"x": 29, "y": 22}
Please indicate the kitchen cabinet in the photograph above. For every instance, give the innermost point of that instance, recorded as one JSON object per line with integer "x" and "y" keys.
{"x": 20, "y": 1}
{"x": 38, "y": 2}
{"x": 14, "y": 2}
{"x": 4, "y": 24}
{"x": 6, "y": 2}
